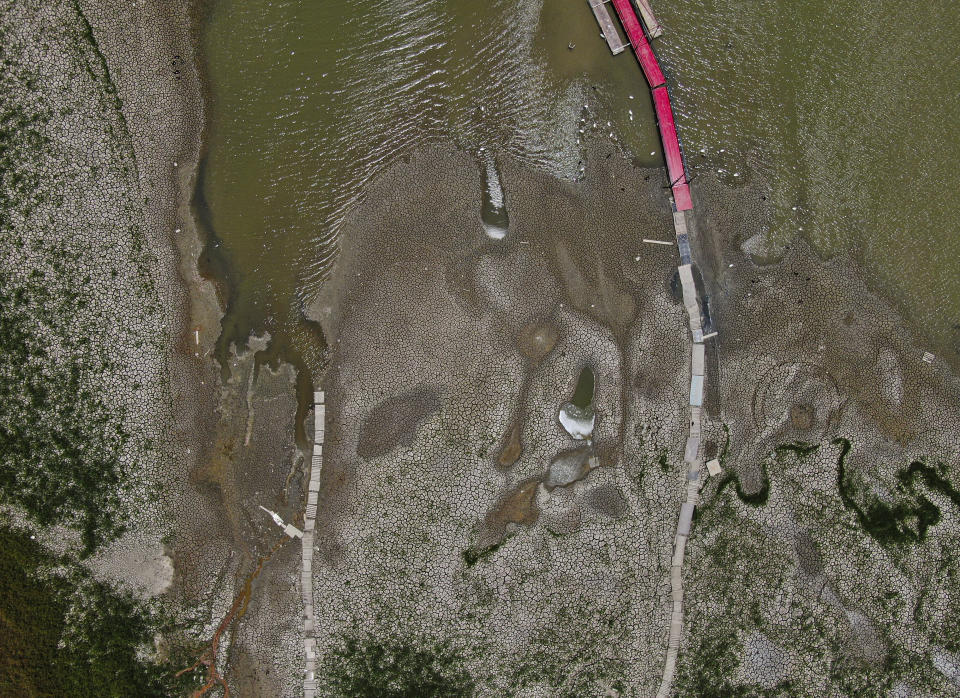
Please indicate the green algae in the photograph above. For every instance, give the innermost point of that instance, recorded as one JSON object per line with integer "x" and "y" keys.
{"x": 907, "y": 518}
{"x": 755, "y": 499}
{"x": 374, "y": 667}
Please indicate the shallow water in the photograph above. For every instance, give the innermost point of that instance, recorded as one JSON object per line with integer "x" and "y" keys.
{"x": 847, "y": 111}
{"x": 493, "y": 207}
{"x": 310, "y": 100}
{"x": 583, "y": 393}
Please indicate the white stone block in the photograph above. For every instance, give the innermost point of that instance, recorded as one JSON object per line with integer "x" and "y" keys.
{"x": 293, "y": 531}
{"x": 696, "y": 391}
{"x": 686, "y": 516}
{"x": 680, "y": 222}
{"x": 698, "y": 359}
{"x": 713, "y": 467}
{"x": 679, "y": 546}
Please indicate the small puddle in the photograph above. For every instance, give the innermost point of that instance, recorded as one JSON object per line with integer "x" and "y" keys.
{"x": 577, "y": 416}
{"x": 583, "y": 393}
{"x": 493, "y": 211}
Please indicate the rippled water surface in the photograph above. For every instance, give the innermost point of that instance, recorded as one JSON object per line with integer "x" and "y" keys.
{"x": 849, "y": 111}
{"x": 311, "y": 99}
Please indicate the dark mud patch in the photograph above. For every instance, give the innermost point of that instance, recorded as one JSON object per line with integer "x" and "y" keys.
{"x": 518, "y": 506}
{"x": 802, "y": 416}
{"x": 609, "y": 501}
{"x": 537, "y": 339}
{"x": 394, "y": 421}
{"x": 512, "y": 447}
{"x": 808, "y": 554}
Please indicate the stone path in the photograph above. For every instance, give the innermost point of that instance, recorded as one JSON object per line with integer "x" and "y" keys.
{"x": 691, "y": 451}
{"x": 682, "y": 202}
{"x": 306, "y": 576}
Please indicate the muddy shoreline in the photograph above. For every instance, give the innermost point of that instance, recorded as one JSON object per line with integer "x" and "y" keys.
{"x": 230, "y": 437}
{"x": 230, "y": 457}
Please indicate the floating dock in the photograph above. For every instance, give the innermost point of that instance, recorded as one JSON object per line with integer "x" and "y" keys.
{"x": 641, "y": 47}
{"x": 671, "y": 149}
{"x": 661, "y": 102}
{"x": 607, "y": 27}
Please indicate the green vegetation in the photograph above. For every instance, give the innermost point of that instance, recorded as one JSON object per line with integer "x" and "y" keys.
{"x": 568, "y": 662}
{"x": 21, "y": 131}
{"x": 64, "y": 634}
{"x": 77, "y": 299}
{"x": 904, "y": 520}
{"x": 65, "y": 450}
{"x": 59, "y": 444}
{"x": 713, "y": 661}
{"x": 473, "y": 555}
{"x": 371, "y": 667}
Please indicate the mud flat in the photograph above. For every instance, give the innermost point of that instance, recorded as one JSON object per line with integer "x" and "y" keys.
{"x": 460, "y": 524}
{"x": 150, "y": 460}
{"x": 474, "y": 532}
{"x": 460, "y": 530}
{"x": 822, "y": 542}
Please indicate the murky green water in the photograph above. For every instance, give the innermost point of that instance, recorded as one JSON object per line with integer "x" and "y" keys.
{"x": 850, "y": 110}
{"x": 311, "y": 99}
{"x": 847, "y": 110}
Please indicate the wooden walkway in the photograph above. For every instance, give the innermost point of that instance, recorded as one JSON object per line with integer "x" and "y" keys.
{"x": 649, "y": 21}
{"x": 309, "y": 523}
{"x": 607, "y": 27}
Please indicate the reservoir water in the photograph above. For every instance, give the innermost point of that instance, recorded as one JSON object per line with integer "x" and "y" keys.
{"x": 847, "y": 111}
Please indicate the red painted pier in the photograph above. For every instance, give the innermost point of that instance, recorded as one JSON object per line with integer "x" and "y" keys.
{"x": 661, "y": 103}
